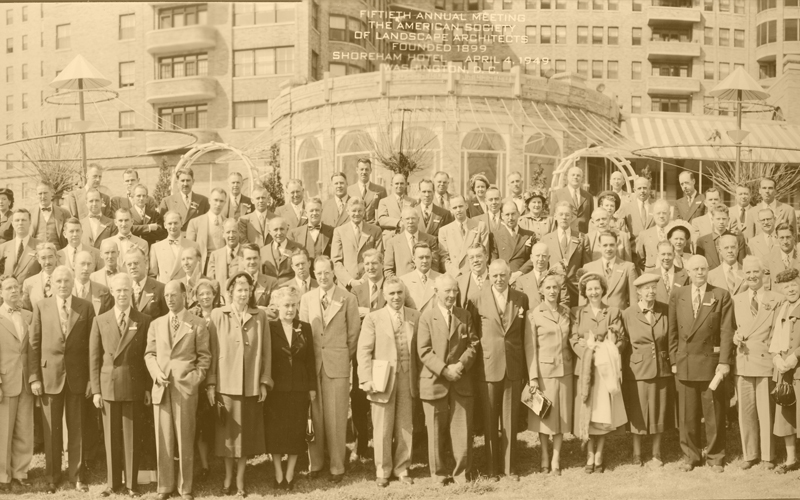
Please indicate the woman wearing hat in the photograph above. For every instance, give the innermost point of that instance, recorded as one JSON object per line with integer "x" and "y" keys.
{"x": 597, "y": 340}
{"x": 785, "y": 349}
{"x": 680, "y": 235}
{"x": 476, "y": 205}
{"x": 550, "y": 367}
{"x": 648, "y": 385}
{"x": 537, "y": 218}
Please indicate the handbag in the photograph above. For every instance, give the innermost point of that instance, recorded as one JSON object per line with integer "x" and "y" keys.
{"x": 783, "y": 392}
{"x": 309, "y": 427}
{"x": 536, "y": 401}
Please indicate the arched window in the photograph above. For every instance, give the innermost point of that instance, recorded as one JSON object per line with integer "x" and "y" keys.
{"x": 541, "y": 150}
{"x": 354, "y": 145}
{"x": 309, "y": 160}
{"x": 423, "y": 144}
{"x": 483, "y": 152}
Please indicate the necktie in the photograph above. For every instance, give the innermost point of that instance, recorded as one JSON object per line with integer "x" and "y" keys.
{"x": 173, "y": 242}
{"x": 401, "y": 343}
{"x": 363, "y": 192}
{"x": 64, "y": 317}
{"x": 324, "y": 301}
{"x": 123, "y": 237}
{"x": 176, "y": 324}
{"x": 137, "y": 292}
{"x": 667, "y": 284}
{"x": 479, "y": 280}
{"x": 303, "y": 287}
{"x": 94, "y": 216}
{"x": 754, "y": 304}
{"x": 231, "y": 256}
{"x": 20, "y": 249}
{"x": 575, "y": 197}
{"x": 696, "y": 302}
{"x": 741, "y": 216}
{"x": 608, "y": 270}
{"x": 463, "y": 230}
{"x": 564, "y": 243}
{"x": 424, "y": 279}
{"x": 47, "y": 209}
{"x": 216, "y": 221}
{"x": 47, "y": 287}
{"x": 643, "y": 212}
{"x": 786, "y": 261}
{"x": 122, "y": 324}
{"x": 731, "y": 280}
{"x": 413, "y": 242}
{"x": 441, "y": 200}
{"x": 374, "y": 298}
{"x": 357, "y": 233}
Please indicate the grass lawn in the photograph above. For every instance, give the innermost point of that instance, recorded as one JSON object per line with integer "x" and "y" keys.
{"x": 620, "y": 481}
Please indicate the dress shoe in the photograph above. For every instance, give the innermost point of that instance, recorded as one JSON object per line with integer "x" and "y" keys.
{"x": 406, "y": 480}
{"x": 382, "y": 482}
{"x": 768, "y": 465}
{"x": 784, "y": 468}
{"x": 107, "y": 492}
{"x": 163, "y": 496}
{"x": 599, "y": 468}
{"x": 336, "y": 478}
{"x": 290, "y": 484}
{"x": 686, "y": 467}
{"x": 79, "y": 486}
{"x": 241, "y": 494}
{"x": 556, "y": 471}
{"x": 545, "y": 469}
{"x": 656, "y": 462}
{"x": 187, "y": 496}
{"x": 637, "y": 460}
{"x": 717, "y": 469}
{"x": 130, "y": 493}
{"x": 228, "y": 490}
{"x": 588, "y": 468}
{"x": 313, "y": 474}
{"x": 748, "y": 464}
{"x": 512, "y": 477}
{"x": 24, "y": 483}
{"x": 444, "y": 480}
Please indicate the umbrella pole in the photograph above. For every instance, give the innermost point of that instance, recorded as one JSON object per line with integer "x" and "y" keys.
{"x": 738, "y": 127}
{"x": 83, "y": 135}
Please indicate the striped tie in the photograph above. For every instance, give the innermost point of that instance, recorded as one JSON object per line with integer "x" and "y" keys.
{"x": 754, "y": 305}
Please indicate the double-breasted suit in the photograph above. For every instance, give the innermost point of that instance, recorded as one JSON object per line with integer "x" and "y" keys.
{"x": 22, "y": 267}
{"x": 335, "y": 332}
{"x": 174, "y": 203}
{"x": 438, "y": 218}
{"x": 621, "y": 291}
{"x": 16, "y": 407}
{"x": 372, "y": 197}
{"x": 118, "y": 373}
{"x": 165, "y": 262}
{"x": 60, "y": 361}
{"x": 514, "y": 249}
{"x": 252, "y": 230}
{"x": 321, "y": 246}
{"x": 347, "y": 254}
{"x": 453, "y": 246}
{"x": 689, "y": 211}
{"x": 576, "y": 256}
{"x": 502, "y": 372}
{"x": 278, "y": 263}
{"x": 399, "y": 259}
{"x": 448, "y": 405}
{"x": 392, "y": 409}
{"x": 105, "y": 229}
{"x": 678, "y": 278}
{"x": 697, "y": 346}
{"x": 583, "y": 209}
{"x": 183, "y": 357}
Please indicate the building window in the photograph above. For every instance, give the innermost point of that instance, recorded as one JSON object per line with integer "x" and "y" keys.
{"x": 127, "y": 120}
{"x": 790, "y": 30}
{"x": 597, "y": 35}
{"x": 724, "y": 5}
{"x": 738, "y": 38}
{"x": 545, "y": 34}
{"x": 337, "y": 69}
{"x": 613, "y": 4}
{"x": 314, "y": 65}
{"x": 671, "y": 104}
{"x": 597, "y": 69}
{"x": 583, "y": 68}
{"x": 597, "y": 4}
{"x": 24, "y": 42}
{"x": 24, "y": 130}
{"x": 181, "y": 66}
{"x": 637, "y": 5}
{"x": 24, "y": 13}
{"x": 708, "y": 5}
{"x": 127, "y": 26}
{"x": 636, "y": 70}
{"x": 583, "y": 4}
{"x": 250, "y": 115}
{"x": 24, "y": 75}
{"x": 767, "y": 70}
{"x": 315, "y": 13}
{"x": 613, "y": 35}
{"x": 530, "y": 32}
{"x": 473, "y": 5}
{"x": 259, "y": 62}
{"x": 636, "y": 36}
{"x": 561, "y": 66}
{"x": 613, "y": 70}
{"x": 10, "y": 103}
{"x": 708, "y": 70}
{"x": 561, "y": 4}
{"x": 127, "y": 74}
{"x": 24, "y": 101}
{"x": 561, "y": 35}
{"x": 636, "y": 104}
{"x": 183, "y": 117}
{"x": 672, "y": 69}
{"x": 9, "y": 17}
{"x": 62, "y": 126}
{"x": 530, "y": 4}
{"x": 766, "y": 33}
{"x": 258, "y": 13}
{"x": 509, "y": 4}
{"x": 724, "y": 37}
{"x": 344, "y": 29}
{"x": 738, "y": 6}
{"x": 708, "y": 36}
{"x": 178, "y": 17}
{"x": 62, "y": 37}
{"x": 9, "y": 74}
{"x": 786, "y": 3}
{"x": 438, "y": 4}
{"x": 583, "y": 35}
{"x": 9, "y": 45}
{"x": 766, "y": 4}
{"x": 724, "y": 70}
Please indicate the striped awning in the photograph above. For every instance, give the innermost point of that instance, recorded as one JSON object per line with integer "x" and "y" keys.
{"x": 706, "y": 138}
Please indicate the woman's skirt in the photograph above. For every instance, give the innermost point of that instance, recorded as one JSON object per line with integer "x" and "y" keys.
{"x": 786, "y": 417}
{"x": 285, "y": 417}
{"x": 607, "y": 412}
{"x": 206, "y": 419}
{"x": 240, "y": 427}
{"x": 560, "y": 392}
{"x": 650, "y": 405}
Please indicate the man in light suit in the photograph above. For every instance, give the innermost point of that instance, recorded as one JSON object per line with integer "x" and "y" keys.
{"x": 120, "y": 383}
{"x": 225, "y": 262}
{"x": 443, "y": 197}
{"x": 77, "y": 200}
{"x": 109, "y": 252}
{"x": 761, "y": 244}
{"x": 569, "y": 248}
{"x": 500, "y": 326}
{"x": 619, "y": 275}
{"x": 492, "y": 218}
{"x": 432, "y": 216}
{"x": 334, "y": 210}
{"x": 58, "y": 356}
{"x": 708, "y": 245}
{"x": 96, "y": 226}
{"x": 601, "y": 222}
{"x": 276, "y": 256}
{"x": 253, "y": 226}
{"x": 513, "y": 243}
{"x": 191, "y": 275}
{"x": 185, "y": 202}
{"x": 178, "y": 358}
{"x": 206, "y": 230}
{"x": 236, "y": 204}
{"x": 124, "y": 237}
{"x": 530, "y": 283}
{"x": 647, "y": 241}
{"x": 703, "y": 224}
{"x": 742, "y": 220}
{"x": 251, "y": 264}
{"x": 638, "y": 213}
{"x": 515, "y": 186}
{"x": 447, "y": 346}
{"x": 389, "y": 335}
{"x": 18, "y": 255}
{"x": 294, "y": 212}
{"x": 474, "y": 278}
{"x": 148, "y": 294}
{"x": 332, "y": 313}
{"x": 787, "y": 254}
{"x": 350, "y": 241}
{"x": 691, "y": 204}
{"x": 419, "y": 283}
{"x": 165, "y": 261}
{"x": 456, "y": 237}
{"x": 367, "y": 190}
{"x": 316, "y": 236}
{"x": 389, "y": 213}
{"x": 701, "y": 329}
{"x": 47, "y": 220}
{"x": 728, "y": 275}
{"x": 580, "y": 200}
{"x": 783, "y": 212}
{"x": 16, "y": 399}
{"x": 40, "y": 286}
{"x": 755, "y": 313}
{"x": 95, "y": 293}
{"x": 73, "y": 233}
{"x": 672, "y": 276}
{"x": 399, "y": 257}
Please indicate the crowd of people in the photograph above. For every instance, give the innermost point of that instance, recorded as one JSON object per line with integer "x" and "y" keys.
{"x": 214, "y": 325}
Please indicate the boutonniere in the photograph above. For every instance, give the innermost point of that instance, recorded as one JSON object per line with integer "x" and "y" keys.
{"x": 792, "y": 319}
{"x": 297, "y": 330}
{"x": 529, "y": 242}
{"x": 193, "y": 205}
{"x": 713, "y": 301}
{"x": 246, "y": 207}
{"x": 768, "y": 307}
{"x": 146, "y": 218}
{"x": 103, "y": 204}
{"x": 574, "y": 240}
{"x": 31, "y": 254}
{"x": 189, "y": 326}
{"x": 521, "y": 314}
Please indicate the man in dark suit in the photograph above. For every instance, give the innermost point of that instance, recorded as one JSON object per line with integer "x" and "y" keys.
{"x": 6, "y": 205}
{"x": 672, "y": 276}
{"x": 399, "y": 253}
{"x": 47, "y": 220}
{"x": 334, "y": 210}
{"x": 316, "y": 236}
{"x": 569, "y": 248}
{"x": 502, "y": 373}
{"x": 264, "y": 284}
{"x": 701, "y": 350}
{"x": 442, "y": 182}
{"x": 447, "y": 345}
{"x": 96, "y": 226}
{"x": 120, "y": 382}
{"x": 148, "y": 294}
{"x": 513, "y": 243}
{"x": 580, "y": 200}
{"x": 491, "y": 218}
{"x": 707, "y": 244}
{"x": 237, "y": 204}
{"x": 473, "y": 278}
{"x": 367, "y": 190}
{"x": 691, "y": 204}
{"x": 186, "y": 202}
{"x": 147, "y": 221}
{"x": 60, "y": 374}
{"x": 77, "y": 200}
{"x": 431, "y": 216}
{"x": 276, "y": 256}
{"x": 18, "y": 255}
{"x": 130, "y": 178}
{"x": 301, "y": 265}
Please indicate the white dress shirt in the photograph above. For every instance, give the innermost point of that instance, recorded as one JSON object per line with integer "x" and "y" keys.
{"x": 501, "y": 299}
{"x": 447, "y": 313}
{"x": 25, "y": 241}
{"x": 16, "y": 319}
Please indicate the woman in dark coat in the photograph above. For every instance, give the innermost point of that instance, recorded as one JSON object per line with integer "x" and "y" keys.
{"x": 295, "y": 385}
{"x": 476, "y": 204}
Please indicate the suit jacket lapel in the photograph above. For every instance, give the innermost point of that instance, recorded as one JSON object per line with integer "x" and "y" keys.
{"x": 182, "y": 331}
{"x": 510, "y": 313}
{"x": 147, "y": 295}
{"x": 616, "y": 275}
{"x": 8, "y": 325}
{"x": 73, "y": 317}
{"x": 703, "y": 311}
{"x": 573, "y": 244}
{"x": 333, "y": 307}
